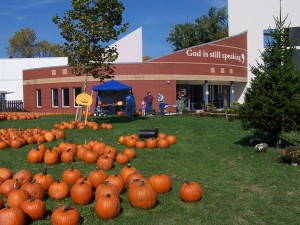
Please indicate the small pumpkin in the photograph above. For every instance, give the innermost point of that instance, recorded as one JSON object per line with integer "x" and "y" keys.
{"x": 34, "y": 208}
{"x": 59, "y": 190}
{"x": 71, "y": 175}
{"x": 44, "y": 178}
{"x": 190, "y": 191}
{"x": 161, "y": 183}
{"x": 97, "y": 177}
{"x": 106, "y": 188}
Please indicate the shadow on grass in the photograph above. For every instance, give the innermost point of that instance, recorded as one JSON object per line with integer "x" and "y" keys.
{"x": 115, "y": 119}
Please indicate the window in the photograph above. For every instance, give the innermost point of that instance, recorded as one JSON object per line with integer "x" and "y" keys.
{"x": 76, "y": 91}
{"x": 38, "y": 94}
{"x": 54, "y": 97}
{"x": 65, "y": 97}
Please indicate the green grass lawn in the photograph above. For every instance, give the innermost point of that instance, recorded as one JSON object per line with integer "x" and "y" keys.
{"x": 240, "y": 186}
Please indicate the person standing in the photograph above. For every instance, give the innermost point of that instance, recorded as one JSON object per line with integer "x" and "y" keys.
{"x": 148, "y": 99}
{"x": 161, "y": 102}
{"x": 130, "y": 105}
{"x": 143, "y": 106}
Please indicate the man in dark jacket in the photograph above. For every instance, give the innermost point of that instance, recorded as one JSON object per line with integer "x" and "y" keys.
{"x": 148, "y": 99}
{"x": 130, "y": 105}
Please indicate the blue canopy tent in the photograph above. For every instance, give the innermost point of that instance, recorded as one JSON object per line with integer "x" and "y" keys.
{"x": 110, "y": 92}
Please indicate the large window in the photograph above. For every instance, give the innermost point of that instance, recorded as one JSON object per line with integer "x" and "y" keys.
{"x": 54, "y": 97}
{"x": 76, "y": 91}
{"x": 38, "y": 94}
{"x": 65, "y": 96}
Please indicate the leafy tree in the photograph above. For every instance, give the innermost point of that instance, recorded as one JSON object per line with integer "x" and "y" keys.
{"x": 21, "y": 45}
{"x": 272, "y": 102}
{"x": 88, "y": 28}
{"x": 207, "y": 28}
{"x": 45, "y": 49}
{"x": 146, "y": 58}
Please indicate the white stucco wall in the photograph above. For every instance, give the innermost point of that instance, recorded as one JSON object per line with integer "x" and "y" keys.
{"x": 130, "y": 47}
{"x": 11, "y": 73}
{"x": 255, "y": 16}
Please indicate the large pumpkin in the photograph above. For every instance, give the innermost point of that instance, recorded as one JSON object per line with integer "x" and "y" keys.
{"x": 65, "y": 215}
{"x": 142, "y": 196}
{"x": 12, "y": 215}
{"x": 82, "y": 193}
{"x": 108, "y": 206}
{"x": 190, "y": 191}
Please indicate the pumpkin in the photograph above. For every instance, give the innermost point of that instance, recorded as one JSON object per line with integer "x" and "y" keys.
{"x": 130, "y": 152}
{"x": 171, "y": 139}
{"x": 133, "y": 176}
{"x": 59, "y": 190}
{"x": 105, "y": 163}
{"x": 151, "y": 143}
{"x": 23, "y": 176}
{"x": 140, "y": 144}
{"x": 12, "y": 215}
{"x": 17, "y": 196}
{"x": 99, "y": 147}
{"x": 44, "y": 178}
{"x": 5, "y": 173}
{"x": 70, "y": 176}
{"x": 118, "y": 181}
{"x": 106, "y": 188}
{"x": 163, "y": 143}
{"x": 51, "y": 156}
{"x": 8, "y": 186}
{"x": 85, "y": 180}
{"x": 97, "y": 177}
{"x": 81, "y": 193}
{"x": 108, "y": 206}
{"x": 161, "y": 183}
{"x": 3, "y": 145}
{"x": 34, "y": 208}
{"x": 109, "y": 126}
{"x": 142, "y": 196}
{"x": 34, "y": 188}
{"x": 125, "y": 171}
{"x": 90, "y": 156}
{"x": 67, "y": 156}
{"x": 119, "y": 113}
{"x": 65, "y": 215}
{"x": 190, "y": 191}
{"x": 122, "y": 158}
{"x": 49, "y": 136}
{"x": 35, "y": 155}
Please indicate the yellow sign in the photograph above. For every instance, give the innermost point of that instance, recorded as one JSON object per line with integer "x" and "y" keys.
{"x": 84, "y": 99}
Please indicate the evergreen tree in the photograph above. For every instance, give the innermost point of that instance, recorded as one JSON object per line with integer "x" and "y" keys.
{"x": 272, "y": 102}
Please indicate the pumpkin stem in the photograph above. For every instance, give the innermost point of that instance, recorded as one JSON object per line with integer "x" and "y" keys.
{"x": 45, "y": 169}
{"x": 108, "y": 196}
{"x": 68, "y": 207}
{"x": 6, "y": 205}
{"x": 106, "y": 182}
{"x": 186, "y": 181}
{"x": 15, "y": 185}
{"x": 142, "y": 183}
{"x": 33, "y": 181}
{"x": 32, "y": 198}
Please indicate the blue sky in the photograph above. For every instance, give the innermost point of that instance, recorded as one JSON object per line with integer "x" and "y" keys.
{"x": 156, "y": 18}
